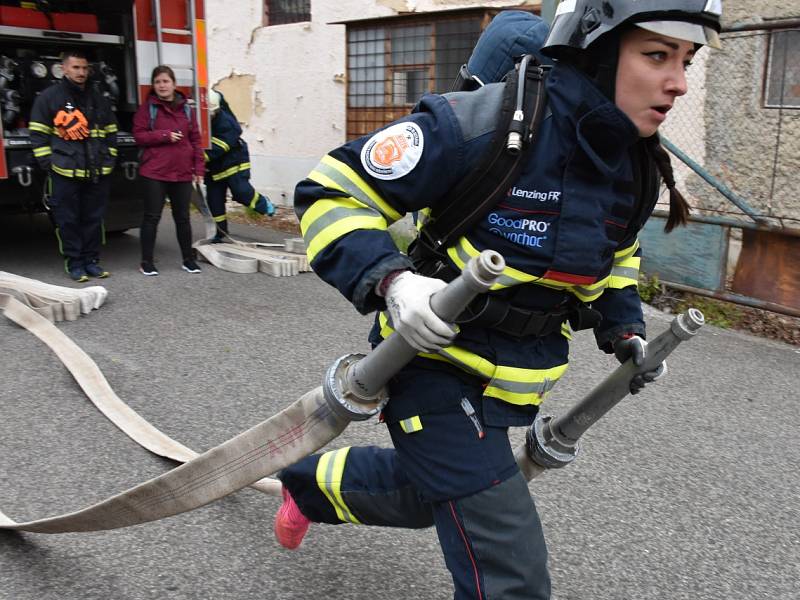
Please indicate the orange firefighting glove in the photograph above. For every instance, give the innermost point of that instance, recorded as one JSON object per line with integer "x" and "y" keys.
{"x": 71, "y": 125}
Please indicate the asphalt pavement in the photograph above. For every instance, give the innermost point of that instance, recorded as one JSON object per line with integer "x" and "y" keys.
{"x": 687, "y": 491}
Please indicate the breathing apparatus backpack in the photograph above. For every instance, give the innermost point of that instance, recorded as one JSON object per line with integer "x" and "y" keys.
{"x": 507, "y": 51}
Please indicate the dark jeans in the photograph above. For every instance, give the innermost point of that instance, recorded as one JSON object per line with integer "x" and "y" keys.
{"x": 156, "y": 192}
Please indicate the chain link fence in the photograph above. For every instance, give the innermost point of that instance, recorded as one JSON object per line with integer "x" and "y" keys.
{"x": 740, "y": 122}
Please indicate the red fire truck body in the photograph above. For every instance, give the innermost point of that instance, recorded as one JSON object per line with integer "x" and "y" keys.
{"x": 124, "y": 40}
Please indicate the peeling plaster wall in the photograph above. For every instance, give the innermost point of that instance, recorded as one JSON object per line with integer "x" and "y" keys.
{"x": 286, "y": 82}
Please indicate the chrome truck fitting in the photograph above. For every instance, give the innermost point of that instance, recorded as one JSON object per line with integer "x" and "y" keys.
{"x": 354, "y": 385}
{"x": 552, "y": 442}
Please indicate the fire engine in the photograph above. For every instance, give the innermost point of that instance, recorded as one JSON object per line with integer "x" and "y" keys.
{"x": 124, "y": 40}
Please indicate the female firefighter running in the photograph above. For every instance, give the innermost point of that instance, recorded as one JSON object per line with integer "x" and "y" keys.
{"x": 568, "y": 231}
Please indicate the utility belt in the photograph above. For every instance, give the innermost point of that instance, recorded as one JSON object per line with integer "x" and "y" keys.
{"x": 503, "y": 315}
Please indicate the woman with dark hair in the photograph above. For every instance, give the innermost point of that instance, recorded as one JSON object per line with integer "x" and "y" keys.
{"x": 172, "y": 159}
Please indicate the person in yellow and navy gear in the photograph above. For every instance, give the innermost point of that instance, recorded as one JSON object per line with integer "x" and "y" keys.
{"x": 568, "y": 231}
{"x": 228, "y": 167}
{"x": 74, "y": 135}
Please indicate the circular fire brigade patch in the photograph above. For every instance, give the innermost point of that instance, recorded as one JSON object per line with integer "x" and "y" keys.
{"x": 393, "y": 152}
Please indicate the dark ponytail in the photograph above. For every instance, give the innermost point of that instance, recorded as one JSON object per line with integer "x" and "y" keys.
{"x": 678, "y": 207}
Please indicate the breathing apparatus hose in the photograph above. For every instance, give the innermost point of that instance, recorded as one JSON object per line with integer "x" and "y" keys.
{"x": 353, "y": 389}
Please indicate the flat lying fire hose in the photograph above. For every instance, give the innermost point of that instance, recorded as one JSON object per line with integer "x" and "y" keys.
{"x": 246, "y": 257}
{"x": 53, "y": 302}
{"x": 91, "y": 380}
{"x": 353, "y": 390}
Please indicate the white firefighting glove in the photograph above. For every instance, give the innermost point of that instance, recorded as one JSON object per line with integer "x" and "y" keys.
{"x": 408, "y": 300}
{"x": 635, "y": 347}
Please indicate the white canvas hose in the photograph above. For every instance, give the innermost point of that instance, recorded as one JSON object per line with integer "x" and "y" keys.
{"x": 318, "y": 417}
{"x": 53, "y": 302}
{"x": 246, "y": 257}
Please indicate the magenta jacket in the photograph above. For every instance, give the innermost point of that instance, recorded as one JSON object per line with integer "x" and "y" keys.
{"x": 161, "y": 159}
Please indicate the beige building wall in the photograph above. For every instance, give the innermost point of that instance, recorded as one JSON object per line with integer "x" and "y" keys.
{"x": 286, "y": 83}
{"x": 755, "y": 150}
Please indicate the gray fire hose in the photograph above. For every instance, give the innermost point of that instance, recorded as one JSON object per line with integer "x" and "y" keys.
{"x": 353, "y": 389}
{"x": 552, "y": 443}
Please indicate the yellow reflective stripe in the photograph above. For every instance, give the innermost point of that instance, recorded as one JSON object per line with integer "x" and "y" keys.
{"x": 113, "y": 151}
{"x": 42, "y": 151}
{"x": 461, "y": 252}
{"x": 566, "y": 331}
{"x": 97, "y": 133}
{"x": 63, "y": 172}
{"x": 411, "y": 425}
{"x": 626, "y": 252}
{"x": 625, "y": 273}
{"x": 231, "y": 171}
{"x": 422, "y": 217}
{"x": 220, "y": 219}
{"x": 205, "y": 156}
{"x": 330, "y": 470}
{"x": 220, "y": 143}
{"x": 254, "y": 201}
{"x": 111, "y": 128}
{"x": 515, "y": 385}
{"x": 336, "y": 175}
{"x": 40, "y": 127}
{"x": 328, "y": 220}
{"x": 80, "y": 173}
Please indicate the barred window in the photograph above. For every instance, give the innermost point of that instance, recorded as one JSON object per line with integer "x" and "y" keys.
{"x": 783, "y": 70}
{"x": 392, "y": 63}
{"x": 280, "y": 12}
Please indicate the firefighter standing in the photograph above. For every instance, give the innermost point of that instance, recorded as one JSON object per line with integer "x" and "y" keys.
{"x": 228, "y": 167}
{"x": 568, "y": 229}
{"x": 74, "y": 136}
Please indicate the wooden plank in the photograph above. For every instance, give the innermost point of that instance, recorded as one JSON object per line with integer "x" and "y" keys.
{"x": 695, "y": 255}
{"x": 769, "y": 268}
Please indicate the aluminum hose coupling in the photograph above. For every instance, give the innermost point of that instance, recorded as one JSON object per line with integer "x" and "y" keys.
{"x": 342, "y": 399}
{"x": 544, "y": 449}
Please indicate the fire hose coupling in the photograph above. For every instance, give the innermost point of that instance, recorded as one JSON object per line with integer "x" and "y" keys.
{"x": 354, "y": 385}
{"x": 544, "y": 449}
{"x": 687, "y": 324}
{"x": 340, "y": 396}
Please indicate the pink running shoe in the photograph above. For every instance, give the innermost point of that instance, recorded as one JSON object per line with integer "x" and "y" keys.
{"x": 290, "y": 524}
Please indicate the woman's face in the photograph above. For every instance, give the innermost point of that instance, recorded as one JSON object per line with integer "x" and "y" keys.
{"x": 650, "y": 76}
{"x": 164, "y": 86}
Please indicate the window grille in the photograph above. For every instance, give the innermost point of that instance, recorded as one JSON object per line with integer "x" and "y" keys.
{"x": 280, "y": 12}
{"x": 392, "y": 63}
{"x": 783, "y": 70}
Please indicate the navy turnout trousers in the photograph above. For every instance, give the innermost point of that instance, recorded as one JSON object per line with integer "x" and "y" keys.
{"x": 78, "y": 207}
{"x": 441, "y": 472}
{"x": 241, "y": 191}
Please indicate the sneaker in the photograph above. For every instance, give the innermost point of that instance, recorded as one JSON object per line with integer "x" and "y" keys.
{"x": 78, "y": 274}
{"x": 148, "y": 268}
{"x": 290, "y": 524}
{"x": 95, "y": 270}
{"x": 190, "y": 266}
{"x": 270, "y": 208}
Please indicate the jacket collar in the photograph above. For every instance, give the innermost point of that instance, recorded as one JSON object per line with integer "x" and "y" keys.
{"x": 601, "y": 129}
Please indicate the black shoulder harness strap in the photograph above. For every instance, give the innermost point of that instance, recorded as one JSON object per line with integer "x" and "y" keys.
{"x": 522, "y": 110}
